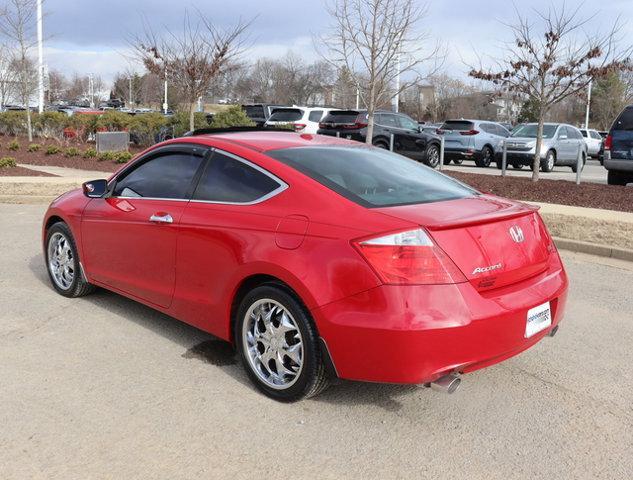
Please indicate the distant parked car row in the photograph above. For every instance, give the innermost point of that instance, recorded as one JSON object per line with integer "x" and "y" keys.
{"x": 409, "y": 138}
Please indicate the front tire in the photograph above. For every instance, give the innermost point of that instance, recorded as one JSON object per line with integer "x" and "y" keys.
{"x": 62, "y": 263}
{"x": 278, "y": 344}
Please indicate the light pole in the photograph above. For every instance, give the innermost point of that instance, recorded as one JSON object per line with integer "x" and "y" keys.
{"x": 130, "y": 91}
{"x": 40, "y": 59}
{"x": 396, "y": 98}
{"x": 165, "y": 104}
{"x": 588, "y": 104}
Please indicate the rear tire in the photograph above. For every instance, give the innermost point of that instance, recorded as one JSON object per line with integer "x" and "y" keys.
{"x": 382, "y": 145}
{"x": 433, "y": 156}
{"x": 547, "y": 165}
{"x": 574, "y": 167}
{"x": 618, "y": 178}
{"x": 486, "y": 157}
{"x": 283, "y": 360}
{"x": 63, "y": 264}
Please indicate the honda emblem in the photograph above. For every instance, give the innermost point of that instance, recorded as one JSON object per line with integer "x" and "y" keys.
{"x": 517, "y": 234}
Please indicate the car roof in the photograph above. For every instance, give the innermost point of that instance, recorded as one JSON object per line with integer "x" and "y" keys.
{"x": 262, "y": 141}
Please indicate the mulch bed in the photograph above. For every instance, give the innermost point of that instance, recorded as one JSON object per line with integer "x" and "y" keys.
{"x": 56, "y": 160}
{"x": 592, "y": 195}
{"x": 22, "y": 172}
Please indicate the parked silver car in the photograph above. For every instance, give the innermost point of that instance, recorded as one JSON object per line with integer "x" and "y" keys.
{"x": 477, "y": 140}
{"x": 561, "y": 145}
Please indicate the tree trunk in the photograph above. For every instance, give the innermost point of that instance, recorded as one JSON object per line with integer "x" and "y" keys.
{"x": 29, "y": 126}
{"x": 536, "y": 161}
{"x": 192, "y": 117}
{"x": 371, "y": 107}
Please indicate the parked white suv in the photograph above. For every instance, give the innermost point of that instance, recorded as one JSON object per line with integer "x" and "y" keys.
{"x": 594, "y": 140}
{"x": 303, "y": 119}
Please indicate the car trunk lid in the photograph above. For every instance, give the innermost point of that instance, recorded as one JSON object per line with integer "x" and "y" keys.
{"x": 457, "y": 133}
{"x": 494, "y": 242}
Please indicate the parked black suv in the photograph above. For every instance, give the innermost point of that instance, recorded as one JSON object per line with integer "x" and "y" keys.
{"x": 259, "y": 112}
{"x": 618, "y": 149}
{"x": 408, "y": 139}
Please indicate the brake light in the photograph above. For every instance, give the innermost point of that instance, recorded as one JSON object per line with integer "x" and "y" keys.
{"x": 469, "y": 132}
{"x": 409, "y": 258}
{"x": 299, "y": 126}
{"x": 360, "y": 124}
{"x": 324, "y": 125}
{"x": 608, "y": 142}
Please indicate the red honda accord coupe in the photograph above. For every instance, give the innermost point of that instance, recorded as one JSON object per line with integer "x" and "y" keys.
{"x": 317, "y": 257}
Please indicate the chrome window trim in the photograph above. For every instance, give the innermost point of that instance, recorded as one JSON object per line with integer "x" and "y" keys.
{"x": 282, "y": 185}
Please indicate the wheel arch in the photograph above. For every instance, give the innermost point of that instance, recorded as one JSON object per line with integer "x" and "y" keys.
{"x": 258, "y": 279}
{"x": 252, "y": 281}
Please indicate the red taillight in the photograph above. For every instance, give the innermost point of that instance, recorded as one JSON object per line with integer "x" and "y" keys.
{"x": 324, "y": 125}
{"x": 299, "y": 126}
{"x": 409, "y": 258}
{"x": 469, "y": 132}
{"x": 360, "y": 124}
{"x": 608, "y": 142}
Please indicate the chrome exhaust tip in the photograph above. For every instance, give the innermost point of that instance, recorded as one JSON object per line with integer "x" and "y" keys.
{"x": 446, "y": 384}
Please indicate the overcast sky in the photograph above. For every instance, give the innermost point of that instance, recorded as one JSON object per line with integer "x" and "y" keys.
{"x": 90, "y": 35}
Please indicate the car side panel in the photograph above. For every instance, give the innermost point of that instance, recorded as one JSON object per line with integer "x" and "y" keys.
{"x": 221, "y": 245}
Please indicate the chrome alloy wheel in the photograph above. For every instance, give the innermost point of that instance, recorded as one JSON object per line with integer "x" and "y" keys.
{"x": 61, "y": 262}
{"x": 273, "y": 343}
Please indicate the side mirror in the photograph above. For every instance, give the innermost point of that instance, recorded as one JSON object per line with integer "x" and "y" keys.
{"x": 95, "y": 188}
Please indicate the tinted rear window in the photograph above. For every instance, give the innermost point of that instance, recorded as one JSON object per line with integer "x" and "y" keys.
{"x": 372, "y": 177}
{"x": 254, "y": 111}
{"x": 286, "y": 115}
{"x": 457, "y": 125}
{"x": 344, "y": 116}
{"x": 625, "y": 120}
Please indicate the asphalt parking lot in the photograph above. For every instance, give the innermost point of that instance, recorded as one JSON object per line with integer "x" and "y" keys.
{"x": 102, "y": 387}
{"x": 593, "y": 171}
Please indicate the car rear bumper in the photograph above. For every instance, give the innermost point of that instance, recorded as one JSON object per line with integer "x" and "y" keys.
{"x": 416, "y": 334}
{"x": 464, "y": 153}
{"x": 621, "y": 165}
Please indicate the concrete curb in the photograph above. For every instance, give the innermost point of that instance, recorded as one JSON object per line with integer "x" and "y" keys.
{"x": 594, "y": 249}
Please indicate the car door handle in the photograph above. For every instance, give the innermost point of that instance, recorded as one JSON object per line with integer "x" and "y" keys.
{"x": 161, "y": 218}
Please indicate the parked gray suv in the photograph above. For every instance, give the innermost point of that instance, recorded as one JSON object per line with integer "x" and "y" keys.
{"x": 477, "y": 140}
{"x": 561, "y": 145}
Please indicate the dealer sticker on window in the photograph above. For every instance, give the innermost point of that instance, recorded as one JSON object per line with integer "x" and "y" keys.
{"x": 538, "y": 318}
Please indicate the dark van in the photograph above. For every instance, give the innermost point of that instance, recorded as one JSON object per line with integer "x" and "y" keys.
{"x": 618, "y": 149}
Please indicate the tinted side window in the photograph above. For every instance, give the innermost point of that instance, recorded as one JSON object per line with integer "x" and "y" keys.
{"x": 407, "y": 123}
{"x": 166, "y": 176}
{"x": 387, "y": 120}
{"x": 584, "y": 133}
{"x": 625, "y": 120}
{"x": 315, "y": 115}
{"x": 502, "y": 131}
{"x": 228, "y": 180}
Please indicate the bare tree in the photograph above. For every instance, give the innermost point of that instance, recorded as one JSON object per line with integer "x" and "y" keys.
{"x": 191, "y": 58}
{"x": 555, "y": 62}
{"x": 17, "y": 25}
{"x": 7, "y": 76}
{"x": 377, "y": 40}
{"x": 57, "y": 86}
